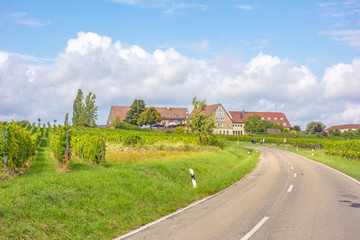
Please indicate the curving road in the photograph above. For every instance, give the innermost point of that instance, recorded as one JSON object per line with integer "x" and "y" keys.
{"x": 286, "y": 197}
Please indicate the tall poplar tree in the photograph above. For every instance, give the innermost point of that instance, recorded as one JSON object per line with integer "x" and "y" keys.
{"x": 84, "y": 114}
{"x": 78, "y": 108}
{"x": 91, "y": 109}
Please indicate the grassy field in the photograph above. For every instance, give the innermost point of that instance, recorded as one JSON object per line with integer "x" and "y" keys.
{"x": 92, "y": 202}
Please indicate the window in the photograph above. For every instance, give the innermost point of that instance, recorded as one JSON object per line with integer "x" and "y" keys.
{"x": 262, "y": 118}
{"x": 169, "y": 115}
{"x": 281, "y": 118}
{"x": 275, "y": 118}
{"x": 284, "y": 123}
{"x": 228, "y": 125}
{"x": 269, "y": 118}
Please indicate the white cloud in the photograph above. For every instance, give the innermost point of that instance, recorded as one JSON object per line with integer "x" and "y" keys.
{"x": 351, "y": 37}
{"x": 176, "y": 8}
{"x": 119, "y": 73}
{"x": 341, "y": 81}
{"x": 23, "y": 19}
{"x": 244, "y": 7}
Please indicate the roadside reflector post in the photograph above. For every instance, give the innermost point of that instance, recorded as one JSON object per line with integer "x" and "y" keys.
{"x": 249, "y": 154}
{"x": 297, "y": 148}
{"x": 193, "y": 178}
{"x": 312, "y": 152}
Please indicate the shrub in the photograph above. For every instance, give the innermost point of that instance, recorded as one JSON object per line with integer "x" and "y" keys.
{"x": 132, "y": 140}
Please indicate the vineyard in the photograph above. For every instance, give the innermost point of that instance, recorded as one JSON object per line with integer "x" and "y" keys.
{"x": 346, "y": 148}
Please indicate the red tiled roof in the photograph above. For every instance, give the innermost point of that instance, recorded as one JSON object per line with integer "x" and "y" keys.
{"x": 210, "y": 109}
{"x": 240, "y": 117}
{"x": 345, "y": 126}
{"x": 175, "y": 113}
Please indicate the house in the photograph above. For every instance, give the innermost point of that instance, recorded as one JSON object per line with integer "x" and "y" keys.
{"x": 223, "y": 122}
{"x": 239, "y": 118}
{"x": 170, "y": 116}
{"x": 345, "y": 127}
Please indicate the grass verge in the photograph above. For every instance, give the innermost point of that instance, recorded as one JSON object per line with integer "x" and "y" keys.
{"x": 92, "y": 202}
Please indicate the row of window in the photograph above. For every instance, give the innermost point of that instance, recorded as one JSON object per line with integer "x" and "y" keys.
{"x": 237, "y": 125}
{"x": 275, "y": 118}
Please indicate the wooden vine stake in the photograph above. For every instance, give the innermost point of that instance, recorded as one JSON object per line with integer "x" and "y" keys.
{"x": 5, "y": 157}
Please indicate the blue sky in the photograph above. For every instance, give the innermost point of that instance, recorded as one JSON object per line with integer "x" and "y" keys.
{"x": 227, "y": 46}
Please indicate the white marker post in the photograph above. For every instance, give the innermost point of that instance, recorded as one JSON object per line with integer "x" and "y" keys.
{"x": 312, "y": 152}
{"x": 193, "y": 178}
{"x": 249, "y": 154}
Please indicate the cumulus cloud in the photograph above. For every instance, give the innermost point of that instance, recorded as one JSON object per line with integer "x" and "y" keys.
{"x": 118, "y": 73}
{"x": 341, "y": 81}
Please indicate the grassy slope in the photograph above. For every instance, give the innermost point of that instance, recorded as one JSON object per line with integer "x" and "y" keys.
{"x": 101, "y": 203}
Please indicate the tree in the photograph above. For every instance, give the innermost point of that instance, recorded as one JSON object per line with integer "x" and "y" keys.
{"x": 296, "y": 128}
{"x": 149, "y": 116}
{"x": 315, "y": 127}
{"x": 78, "y": 108}
{"x": 39, "y": 120}
{"x": 200, "y": 124}
{"x": 84, "y": 114}
{"x": 255, "y": 125}
{"x": 90, "y": 109}
{"x": 66, "y": 122}
{"x": 136, "y": 109}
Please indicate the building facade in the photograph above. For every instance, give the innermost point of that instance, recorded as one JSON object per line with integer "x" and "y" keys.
{"x": 239, "y": 118}
{"x": 170, "y": 116}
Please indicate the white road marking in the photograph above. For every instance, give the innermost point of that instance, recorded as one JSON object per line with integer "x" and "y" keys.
{"x": 292, "y": 168}
{"x": 290, "y": 188}
{"x": 254, "y": 230}
{"x": 288, "y": 163}
{"x": 294, "y": 174}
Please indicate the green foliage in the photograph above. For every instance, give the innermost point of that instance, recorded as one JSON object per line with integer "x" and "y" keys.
{"x": 66, "y": 122}
{"x": 90, "y": 109}
{"x": 137, "y": 107}
{"x": 345, "y": 148}
{"x": 255, "y": 125}
{"x": 84, "y": 114}
{"x": 57, "y": 143}
{"x": 132, "y": 140}
{"x": 149, "y": 117}
{"x": 19, "y": 144}
{"x": 315, "y": 127}
{"x": 88, "y": 147}
{"x": 127, "y": 126}
{"x": 180, "y": 130}
{"x": 200, "y": 124}
{"x": 293, "y": 133}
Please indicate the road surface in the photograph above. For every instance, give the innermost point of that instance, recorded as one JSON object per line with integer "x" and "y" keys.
{"x": 285, "y": 197}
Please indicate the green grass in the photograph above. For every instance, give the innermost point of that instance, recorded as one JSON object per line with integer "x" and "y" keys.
{"x": 101, "y": 203}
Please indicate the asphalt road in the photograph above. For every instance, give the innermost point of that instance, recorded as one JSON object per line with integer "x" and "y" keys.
{"x": 285, "y": 197}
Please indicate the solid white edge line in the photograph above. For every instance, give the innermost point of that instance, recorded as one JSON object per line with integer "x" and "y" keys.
{"x": 352, "y": 179}
{"x": 290, "y": 188}
{"x": 255, "y": 229}
{"x": 180, "y": 210}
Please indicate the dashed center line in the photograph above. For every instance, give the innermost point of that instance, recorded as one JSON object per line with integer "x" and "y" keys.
{"x": 257, "y": 227}
{"x": 292, "y": 168}
{"x": 295, "y": 175}
{"x": 290, "y": 188}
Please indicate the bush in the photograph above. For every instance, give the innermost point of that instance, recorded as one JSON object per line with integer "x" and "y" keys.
{"x": 180, "y": 130}
{"x": 132, "y": 140}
